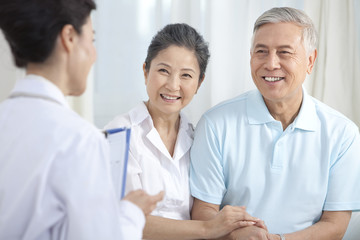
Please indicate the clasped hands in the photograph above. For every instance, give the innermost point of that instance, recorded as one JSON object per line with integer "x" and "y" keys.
{"x": 243, "y": 225}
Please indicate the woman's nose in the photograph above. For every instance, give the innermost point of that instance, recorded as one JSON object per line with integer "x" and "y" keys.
{"x": 173, "y": 83}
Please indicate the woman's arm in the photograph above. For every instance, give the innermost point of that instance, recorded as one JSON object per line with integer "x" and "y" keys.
{"x": 223, "y": 222}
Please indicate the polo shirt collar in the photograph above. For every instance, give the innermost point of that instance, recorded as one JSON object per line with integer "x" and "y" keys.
{"x": 258, "y": 113}
{"x": 307, "y": 118}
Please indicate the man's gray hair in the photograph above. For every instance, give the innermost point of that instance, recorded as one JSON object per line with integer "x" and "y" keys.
{"x": 292, "y": 15}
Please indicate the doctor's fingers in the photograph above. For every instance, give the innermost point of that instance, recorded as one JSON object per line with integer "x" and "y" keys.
{"x": 146, "y": 202}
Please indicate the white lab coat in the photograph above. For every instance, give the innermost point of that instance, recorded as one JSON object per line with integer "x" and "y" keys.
{"x": 55, "y": 178}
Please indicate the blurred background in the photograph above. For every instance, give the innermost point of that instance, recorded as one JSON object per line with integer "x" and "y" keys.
{"x": 124, "y": 29}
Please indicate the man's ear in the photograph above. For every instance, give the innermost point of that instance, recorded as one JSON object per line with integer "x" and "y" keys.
{"x": 311, "y": 58}
{"x": 145, "y": 73}
{"x": 68, "y": 37}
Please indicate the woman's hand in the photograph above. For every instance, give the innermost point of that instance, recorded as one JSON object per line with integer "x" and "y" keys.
{"x": 229, "y": 219}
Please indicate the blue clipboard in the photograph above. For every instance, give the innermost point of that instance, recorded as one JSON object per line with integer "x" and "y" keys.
{"x": 119, "y": 143}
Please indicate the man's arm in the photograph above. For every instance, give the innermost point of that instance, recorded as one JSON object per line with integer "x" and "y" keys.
{"x": 331, "y": 226}
{"x": 203, "y": 211}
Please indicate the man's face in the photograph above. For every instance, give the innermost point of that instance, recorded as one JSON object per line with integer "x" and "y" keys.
{"x": 279, "y": 62}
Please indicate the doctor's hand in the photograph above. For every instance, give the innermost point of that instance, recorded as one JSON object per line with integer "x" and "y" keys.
{"x": 144, "y": 201}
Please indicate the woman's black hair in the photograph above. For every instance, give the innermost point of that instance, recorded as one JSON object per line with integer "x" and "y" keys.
{"x": 32, "y": 26}
{"x": 181, "y": 35}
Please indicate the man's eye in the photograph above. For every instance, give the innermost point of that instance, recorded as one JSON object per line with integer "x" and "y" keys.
{"x": 260, "y": 51}
{"x": 187, "y": 75}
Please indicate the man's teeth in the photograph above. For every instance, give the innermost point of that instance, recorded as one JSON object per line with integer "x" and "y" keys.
{"x": 273, "y": 79}
{"x": 169, "y": 97}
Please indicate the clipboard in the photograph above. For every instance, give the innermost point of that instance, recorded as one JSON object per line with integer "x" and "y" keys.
{"x": 119, "y": 143}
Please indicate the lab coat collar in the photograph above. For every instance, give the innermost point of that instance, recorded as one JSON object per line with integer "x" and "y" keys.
{"x": 38, "y": 87}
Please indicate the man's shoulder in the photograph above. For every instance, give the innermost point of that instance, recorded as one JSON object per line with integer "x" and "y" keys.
{"x": 328, "y": 113}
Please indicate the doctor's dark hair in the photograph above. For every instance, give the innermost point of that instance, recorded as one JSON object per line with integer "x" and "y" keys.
{"x": 31, "y": 27}
{"x": 181, "y": 35}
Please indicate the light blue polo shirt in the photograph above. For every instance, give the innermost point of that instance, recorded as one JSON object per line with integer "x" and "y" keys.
{"x": 241, "y": 156}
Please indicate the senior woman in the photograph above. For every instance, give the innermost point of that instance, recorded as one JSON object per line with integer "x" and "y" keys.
{"x": 54, "y": 168}
{"x": 161, "y": 137}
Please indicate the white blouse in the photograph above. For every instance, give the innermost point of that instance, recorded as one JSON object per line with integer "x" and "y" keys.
{"x": 55, "y": 180}
{"x": 151, "y": 166}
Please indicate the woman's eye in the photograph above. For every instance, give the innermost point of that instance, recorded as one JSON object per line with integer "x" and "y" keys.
{"x": 163, "y": 70}
{"x": 187, "y": 75}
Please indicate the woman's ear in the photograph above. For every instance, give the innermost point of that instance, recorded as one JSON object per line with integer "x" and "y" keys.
{"x": 145, "y": 73}
{"x": 68, "y": 37}
{"x": 200, "y": 82}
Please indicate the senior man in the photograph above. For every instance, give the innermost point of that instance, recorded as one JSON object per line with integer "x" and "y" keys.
{"x": 290, "y": 159}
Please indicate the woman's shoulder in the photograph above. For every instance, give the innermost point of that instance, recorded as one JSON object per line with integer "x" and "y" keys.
{"x": 186, "y": 124}
{"x": 119, "y": 121}
{"x": 130, "y": 119}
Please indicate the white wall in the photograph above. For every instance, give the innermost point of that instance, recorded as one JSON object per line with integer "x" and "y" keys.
{"x": 9, "y": 73}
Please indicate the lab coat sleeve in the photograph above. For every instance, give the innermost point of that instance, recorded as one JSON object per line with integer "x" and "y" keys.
{"x": 81, "y": 181}
{"x": 132, "y": 220}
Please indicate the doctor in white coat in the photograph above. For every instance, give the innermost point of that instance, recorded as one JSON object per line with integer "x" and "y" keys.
{"x": 55, "y": 178}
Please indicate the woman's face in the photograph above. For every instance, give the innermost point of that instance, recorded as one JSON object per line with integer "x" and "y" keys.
{"x": 84, "y": 57}
{"x": 172, "y": 80}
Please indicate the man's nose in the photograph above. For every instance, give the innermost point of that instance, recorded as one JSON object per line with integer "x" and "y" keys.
{"x": 272, "y": 62}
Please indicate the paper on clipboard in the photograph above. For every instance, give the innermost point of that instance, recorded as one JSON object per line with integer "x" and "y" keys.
{"x": 119, "y": 142}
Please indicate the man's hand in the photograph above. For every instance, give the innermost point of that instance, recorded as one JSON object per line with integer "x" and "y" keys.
{"x": 143, "y": 200}
{"x": 247, "y": 233}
